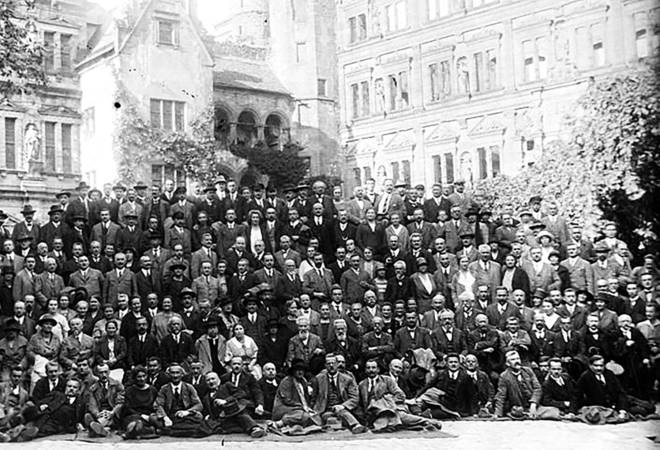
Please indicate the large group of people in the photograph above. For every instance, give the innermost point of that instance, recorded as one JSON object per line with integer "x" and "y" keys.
{"x": 152, "y": 310}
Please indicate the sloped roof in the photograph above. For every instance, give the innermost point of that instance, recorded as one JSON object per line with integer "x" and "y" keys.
{"x": 246, "y": 74}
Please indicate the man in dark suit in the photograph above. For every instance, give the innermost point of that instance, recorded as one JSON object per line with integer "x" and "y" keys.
{"x": 241, "y": 281}
{"x": 436, "y": 203}
{"x": 128, "y": 325}
{"x": 268, "y": 384}
{"x": 318, "y": 282}
{"x": 146, "y": 280}
{"x": 131, "y": 235}
{"x": 155, "y": 207}
{"x": 598, "y": 386}
{"x": 399, "y": 287}
{"x": 559, "y": 389}
{"x": 542, "y": 339}
{"x": 142, "y": 346}
{"x": 238, "y": 252}
{"x": 484, "y": 342}
{"x": 27, "y": 227}
{"x": 321, "y": 227}
{"x": 446, "y": 338}
{"x": 411, "y": 336}
{"x": 176, "y": 347}
{"x": 425, "y": 228}
{"x": 343, "y": 230}
{"x": 291, "y": 282}
{"x": 106, "y": 231}
{"x": 499, "y": 312}
{"x": 176, "y": 401}
{"x": 458, "y": 389}
{"x": 53, "y": 381}
{"x": 576, "y": 313}
{"x": 242, "y": 386}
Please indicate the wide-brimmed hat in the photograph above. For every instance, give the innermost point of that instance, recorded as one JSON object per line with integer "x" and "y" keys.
{"x": 302, "y": 187}
{"x": 222, "y": 301}
{"x": 544, "y": 233}
{"x": 140, "y": 185}
{"x": 401, "y": 184}
{"x": 180, "y": 190}
{"x": 78, "y": 217}
{"x": 47, "y": 318}
{"x": 601, "y": 247}
{"x": 231, "y": 408}
{"x": 210, "y": 188}
{"x": 27, "y": 210}
{"x": 421, "y": 261}
{"x": 12, "y": 325}
{"x": 220, "y": 179}
{"x": 55, "y": 209}
{"x": 213, "y": 322}
{"x": 178, "y": 265}
{"x": 187, "y": 291}
{"x": 119, "y": 187}
{"x": 63, "y": 194}
{"x": 130, "y": 214}
{"x": 297, "y": 364}
{"x": 24, "y": 237}
{"x": 273, "y": 323}
{"x": 82, "y": 185}
{"x": 540, "y": 293}
{"x": 536, "y": 224}
{"x": 466, "y": 235}
{"x": 535, "y": 199}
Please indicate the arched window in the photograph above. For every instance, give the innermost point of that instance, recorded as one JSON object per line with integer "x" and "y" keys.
{"x": 246, "y": 129}
{"x": 221, "y": 126}
{"x": 273, "y": 131}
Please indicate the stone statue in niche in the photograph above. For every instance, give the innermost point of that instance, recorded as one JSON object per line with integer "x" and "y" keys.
{"x": 466, "y": 167}
{"x": 463, "y": 76}
{"x": 31, "y": 144}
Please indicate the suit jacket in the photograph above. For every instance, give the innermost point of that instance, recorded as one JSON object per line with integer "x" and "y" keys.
{"x": 558, "y": 226}
{"x": 509, "y": 393}
{"x": 200, "y": 256}
{"x": 291, "y": 288}
{"x": 206, "y": 290}
{"x": 247, "y": 391}
{"x": 432, "y": 207}
{"x": 171, "y": 352}
{"x": 102, "y": 352}
{"x": 555, "y": 395}
{"x": 384, "y": 385}
{"x": 399, "y": 289}
{"x": 24, "y": 284}
{"x": 280, "y": 258}
{"x": 490, "y": 276}
{"x": 499, "y": 320}
{"x": 581, "y": 274}
{"x": 365, "y": 237}
{"x": 547, "y": 279}
{"x": 355, "y": 284}
{"x": 21, "y": 229}
{"x": 404, "y": 342}
{"x": 42, "y": 389}
{"x": 347, "y": 391}
{"x": 129, "y": 239}
{"x": 341, "y": 236}
{"x": 48, "y": 232}
{"x": 109, "y": 237}
{"x": 452, "y": 234}
{"x": 160, "y": 210}
{"x": 442, "y": 345}
{"x": 428, "y": 232}
{"x": 164, "y": 404}
{"x": 563, "y": 348}
{"x": 338, "y": 271}
{"x": 72, "y": 349}
{"x": 542, "y": 346}
{"x": 355, "y": 212}
{"x": 114, "y": 285}
{"x": 313, "y": 282}
{"x": 139, "y": 352}
{"x": 578, "y": 317}
{"x": 173, "y": 237}
{"x": 16, "y": 264}
{"x": 592, "y": 392}
{"x": 325, "y": 234}
{"x": 287, "y": 398}
{"x": 47, "y": 289}
{"x": 204, "y": 351}
{"x": 189, "y": 211}
{"x": 114, "y": 395}
{"x": 93, "y": 282}
{"x": 298, "y": 349}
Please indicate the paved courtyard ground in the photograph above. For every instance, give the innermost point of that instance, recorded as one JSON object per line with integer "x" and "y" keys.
{"x": 455, "y": 436}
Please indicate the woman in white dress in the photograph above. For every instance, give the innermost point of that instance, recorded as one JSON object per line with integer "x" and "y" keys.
{"x": 245, "y": 347}
{"x": 463, "y": 281}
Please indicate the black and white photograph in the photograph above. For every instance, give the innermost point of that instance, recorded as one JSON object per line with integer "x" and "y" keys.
{"x": 354, "y": 224}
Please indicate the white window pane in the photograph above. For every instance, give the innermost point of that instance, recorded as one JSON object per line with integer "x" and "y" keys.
{"x": 433, "y": 9}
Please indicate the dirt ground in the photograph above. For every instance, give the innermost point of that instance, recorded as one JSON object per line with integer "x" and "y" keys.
{"x": 455, "y": 435}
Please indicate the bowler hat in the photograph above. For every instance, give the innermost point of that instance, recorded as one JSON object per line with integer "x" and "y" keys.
{"x": 466, "y": 235}
{"x": 273, "y": 323}
{"x": 302, "y": 187}
{"x": 24, "y": 237}
{"x": 525, "y": 212}
{"x": 421, "y": 261}
{"x": 180, "y": 190}
{"x": 178, "y": 265}
{"x": 130, "y": 214}
{"x": 222, "y": 301}
{"x": 79, "y": 217}
{"x": 471, "y": 212}
{"x": 213, "y": 322}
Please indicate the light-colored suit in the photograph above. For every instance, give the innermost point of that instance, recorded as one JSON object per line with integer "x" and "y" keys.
{"x": 582, "y": 276}
{"x": 313, "y": 282}
{"x": 546, "y": 279}
{"x": 92, "y": 281}
{"x": 203, "y": 347}
{"x": 46, "y": 288}
{"x": 200, "y": 256}
{"x": 115, "y": 285}
{"x": 355, "y": 212}
{"x": 206, "y": 289}
{"x": 490, "y": 276}
{"x": 24, "y": 284}
{"x": 110, "y": 236}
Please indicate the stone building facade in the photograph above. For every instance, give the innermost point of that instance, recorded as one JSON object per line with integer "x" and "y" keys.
{"x": 40, "y": 148}
{"x": 437, "y": 90}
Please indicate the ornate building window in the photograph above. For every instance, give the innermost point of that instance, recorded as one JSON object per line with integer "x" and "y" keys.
{"x": 10, "y": 142}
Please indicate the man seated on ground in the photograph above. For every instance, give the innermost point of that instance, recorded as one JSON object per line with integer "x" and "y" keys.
{"x": 335, "y": 394}
{"x": 292, "y": 405}
{"x": 450, "y": 393}
{"x": 484, "y": 390}
{"x": 105, "y": 400}
{"x": 518, "y": 390}
{"x": 382, "y": 403}
{"x": 58, "y": 412}
{"x": 598, "y": 386}
{"x": 268, "y": 384}
{"x": 178, "y": 408}
{"x": 13, "y": 397}
{"x": 241, "y": 385}
{"x": 224, "y": 412}
{"x": 559, "y": 390}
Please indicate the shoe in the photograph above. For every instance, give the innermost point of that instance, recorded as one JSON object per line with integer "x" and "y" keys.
{"x": 98, "y": 429}
{"x": 130, "y": 430}
{"x": 15, "y": 432}
{"x": 29, "y": 432}
{"x": 359, "y": 429}
{"x": 4, "y": 437}
{"x": 257, "y": 432}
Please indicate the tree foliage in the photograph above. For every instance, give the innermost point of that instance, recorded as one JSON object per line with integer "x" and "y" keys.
{"x": 21, "y": 54}
{"x": 609, "y": 168}
{"x": 283, "y": 166}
